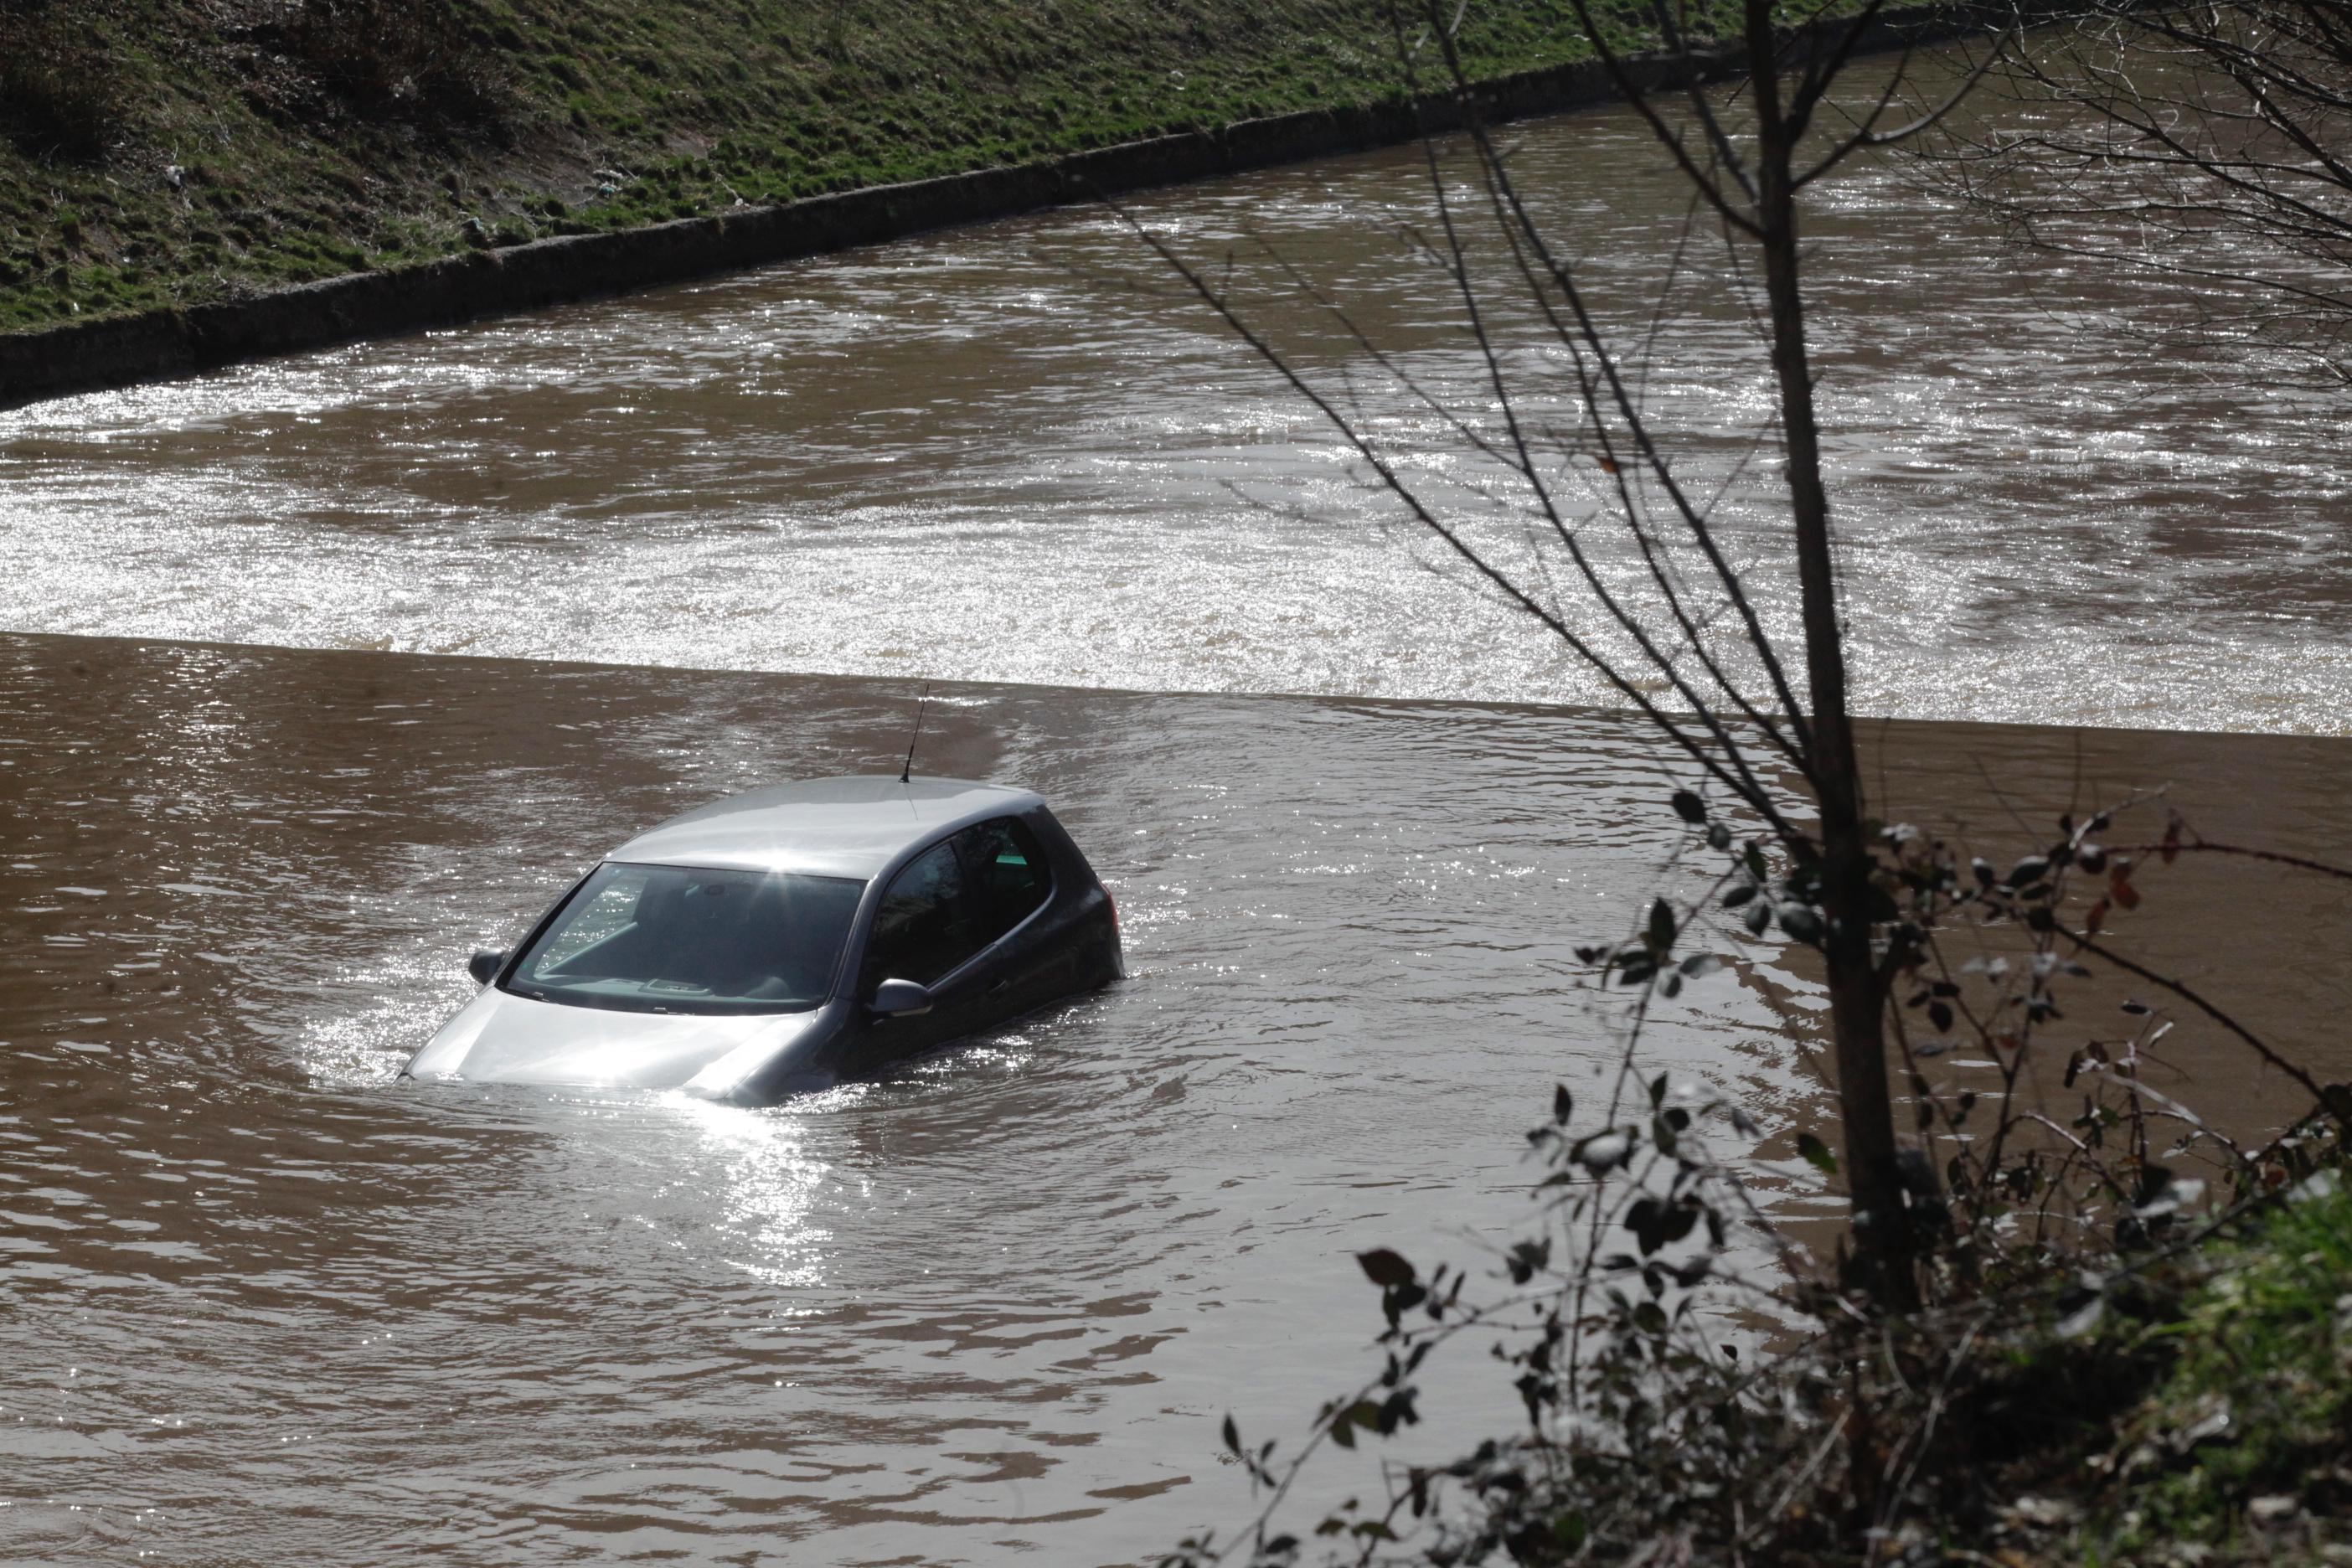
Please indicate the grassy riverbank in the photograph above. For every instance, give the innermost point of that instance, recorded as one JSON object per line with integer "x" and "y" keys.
{"x": 2194, "y": 1413}
{"x": 2239, "y": 1450}
{"x": 163, "y": 153}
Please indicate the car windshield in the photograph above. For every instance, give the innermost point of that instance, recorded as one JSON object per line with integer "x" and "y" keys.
{"x": 680, "y": 939}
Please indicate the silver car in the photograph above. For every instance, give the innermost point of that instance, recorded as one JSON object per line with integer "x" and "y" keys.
{"x": 783, "y": 939}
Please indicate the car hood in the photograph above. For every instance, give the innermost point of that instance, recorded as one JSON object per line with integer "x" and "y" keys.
{"x": 499, "y": 1037}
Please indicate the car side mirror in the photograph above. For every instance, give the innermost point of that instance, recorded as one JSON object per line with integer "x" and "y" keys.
{"x": 900, "y": 999}
{"x": 484, "y": 964}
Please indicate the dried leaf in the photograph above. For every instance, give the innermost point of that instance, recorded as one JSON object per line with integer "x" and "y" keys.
{"x": 2083, "y": 1319}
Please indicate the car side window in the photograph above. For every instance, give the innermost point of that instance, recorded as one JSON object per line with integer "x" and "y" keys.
{"x": 1009, "y": 877}
{"x": 924, "y": 927}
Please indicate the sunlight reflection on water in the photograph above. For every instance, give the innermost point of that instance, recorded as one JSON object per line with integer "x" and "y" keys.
{"x": 984, "y": 455}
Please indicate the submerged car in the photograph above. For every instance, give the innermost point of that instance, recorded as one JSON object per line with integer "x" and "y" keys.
{"x": 789, "y": 937}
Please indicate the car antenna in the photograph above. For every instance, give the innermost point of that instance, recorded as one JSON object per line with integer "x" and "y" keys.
{"x": 909, "y": 768}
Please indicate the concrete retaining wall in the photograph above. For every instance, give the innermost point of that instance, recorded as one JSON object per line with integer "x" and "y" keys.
{"x": 128, "y": 350}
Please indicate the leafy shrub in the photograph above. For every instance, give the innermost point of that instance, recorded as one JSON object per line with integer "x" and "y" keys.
{"x": 2050, "y": 1390}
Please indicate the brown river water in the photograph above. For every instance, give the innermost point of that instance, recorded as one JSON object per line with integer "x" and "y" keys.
{"x": 261, "y": 1301}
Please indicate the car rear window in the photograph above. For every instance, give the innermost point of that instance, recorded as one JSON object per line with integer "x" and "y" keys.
{"x": 681, "y": 939}
{"x": 1009, "y": 876}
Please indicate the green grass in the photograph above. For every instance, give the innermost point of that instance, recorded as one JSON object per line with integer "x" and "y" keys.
{"x": 2266, "y": 1345}
{"x": 218, "y": 164}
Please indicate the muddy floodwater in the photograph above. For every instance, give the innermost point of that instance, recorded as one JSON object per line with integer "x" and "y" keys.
{"x": 263, "y": 1303}
{"x": 293, "y": 714}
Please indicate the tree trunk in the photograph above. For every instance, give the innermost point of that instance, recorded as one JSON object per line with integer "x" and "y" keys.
{"x": 1857, "y": 1004}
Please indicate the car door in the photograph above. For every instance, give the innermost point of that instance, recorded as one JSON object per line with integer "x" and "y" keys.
{"x": 925, "y": 931}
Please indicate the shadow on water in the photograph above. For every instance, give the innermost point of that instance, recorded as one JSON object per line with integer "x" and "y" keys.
{"x": 264, "y": 1301}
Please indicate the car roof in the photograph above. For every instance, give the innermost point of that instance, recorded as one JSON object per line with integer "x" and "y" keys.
{"x": 827, "y": 828}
